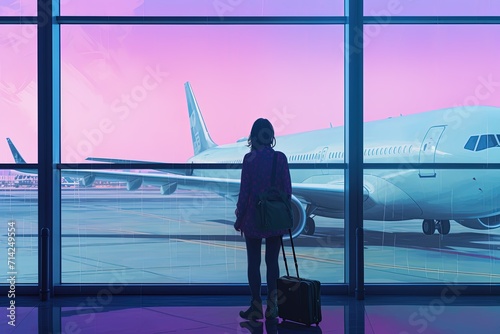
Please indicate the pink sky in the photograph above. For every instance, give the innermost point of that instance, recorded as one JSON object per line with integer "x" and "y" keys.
{"x": 238, "y": 73}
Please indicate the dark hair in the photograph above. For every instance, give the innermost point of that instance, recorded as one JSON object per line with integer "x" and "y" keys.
{"x": 262, "y": 134}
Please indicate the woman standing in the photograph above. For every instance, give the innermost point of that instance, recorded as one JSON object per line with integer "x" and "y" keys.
{"x": 255, "y": 179}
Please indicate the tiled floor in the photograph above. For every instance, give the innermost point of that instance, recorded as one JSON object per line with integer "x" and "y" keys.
{"x": 219, "y": 314}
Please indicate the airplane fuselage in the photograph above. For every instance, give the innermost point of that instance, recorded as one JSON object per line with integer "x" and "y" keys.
{"x": 402, "y": 192}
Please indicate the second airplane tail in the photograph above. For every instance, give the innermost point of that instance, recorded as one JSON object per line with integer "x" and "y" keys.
{"x": 199, "y": 133}
{"x": 15, "y": 153}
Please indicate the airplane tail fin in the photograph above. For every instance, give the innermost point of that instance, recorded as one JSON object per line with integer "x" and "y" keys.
{"x": 15, "y": 153}
{"x": 199, "y": 133}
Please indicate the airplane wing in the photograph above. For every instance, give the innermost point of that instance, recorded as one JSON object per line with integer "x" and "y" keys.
{"x": 329, "y": 194}
{"x": 122, "y": 161}
{"x": 168, "y": 183}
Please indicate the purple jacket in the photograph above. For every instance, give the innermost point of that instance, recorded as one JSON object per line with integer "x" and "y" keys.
{"x": 256, "y": 178}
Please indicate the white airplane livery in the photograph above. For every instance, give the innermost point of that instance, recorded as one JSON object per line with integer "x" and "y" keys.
{"x": 436, "y": 196}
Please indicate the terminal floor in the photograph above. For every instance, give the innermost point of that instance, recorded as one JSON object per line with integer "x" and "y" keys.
{"x": 219, "y": 314}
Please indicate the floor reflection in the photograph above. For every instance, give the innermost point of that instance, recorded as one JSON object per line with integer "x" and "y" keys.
{"x": 219, "y": 314}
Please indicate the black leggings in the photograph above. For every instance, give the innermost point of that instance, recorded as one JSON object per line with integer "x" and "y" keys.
{"x": 273, "y": 245}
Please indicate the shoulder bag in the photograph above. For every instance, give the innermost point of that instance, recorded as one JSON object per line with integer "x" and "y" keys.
{"x": 274, "y": 207}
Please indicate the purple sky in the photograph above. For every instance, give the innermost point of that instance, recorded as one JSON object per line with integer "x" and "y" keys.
{"x": 431, "y": 7}
{"x": 123, "y": 93}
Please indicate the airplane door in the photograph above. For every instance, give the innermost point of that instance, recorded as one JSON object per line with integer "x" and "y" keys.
{"x": 323, "y": 158}
{"x": 428, "y": 149}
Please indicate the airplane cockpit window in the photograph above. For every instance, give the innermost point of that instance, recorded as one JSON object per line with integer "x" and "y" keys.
{"x": 486, "y": 141}
{"x": 471, "y": 143}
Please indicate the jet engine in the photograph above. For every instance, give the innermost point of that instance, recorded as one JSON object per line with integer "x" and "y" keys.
{"x": 299, "y": 218}
{"x": 485, "y": 223}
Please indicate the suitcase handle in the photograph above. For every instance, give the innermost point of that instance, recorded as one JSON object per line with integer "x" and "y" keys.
{"x": 294, "y": 256}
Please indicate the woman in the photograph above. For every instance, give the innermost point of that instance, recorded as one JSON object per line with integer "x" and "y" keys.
{"x": 255, "y": 179}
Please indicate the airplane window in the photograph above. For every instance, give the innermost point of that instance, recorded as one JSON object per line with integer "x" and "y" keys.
{"x": 385, "y": 151}
{"x": 486, "y": 141}
{"x": 471, "y": 143}
{"x": 399, "y": 149}
{"x": 390, "y": 150}
{"x": 492, "y": 141}
{"x": 482, "y": 144}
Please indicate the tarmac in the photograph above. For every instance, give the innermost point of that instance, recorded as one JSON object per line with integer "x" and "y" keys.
{"x": 115, "y": 235}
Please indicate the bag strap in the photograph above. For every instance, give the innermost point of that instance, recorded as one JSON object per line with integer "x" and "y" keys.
{"x": 294, "y": 256}
{"x": 273, "y": 170}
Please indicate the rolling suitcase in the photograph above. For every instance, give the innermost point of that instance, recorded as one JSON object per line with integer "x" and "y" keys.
{"x": 299, "y": 299}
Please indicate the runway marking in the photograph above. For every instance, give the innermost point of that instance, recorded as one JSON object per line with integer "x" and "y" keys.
{"x": 243, "y": 248}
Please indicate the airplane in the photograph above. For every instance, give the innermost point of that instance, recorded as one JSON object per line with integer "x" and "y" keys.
{"x": 469, "y": 197}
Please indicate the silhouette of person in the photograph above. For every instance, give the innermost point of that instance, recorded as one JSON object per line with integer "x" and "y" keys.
{"x": 256, "y": 178}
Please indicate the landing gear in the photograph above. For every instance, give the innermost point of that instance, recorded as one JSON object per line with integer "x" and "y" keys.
{"x": 443, "y": 227}
{"x": 310, "y": 226}
{"x": 429, "y": 226}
